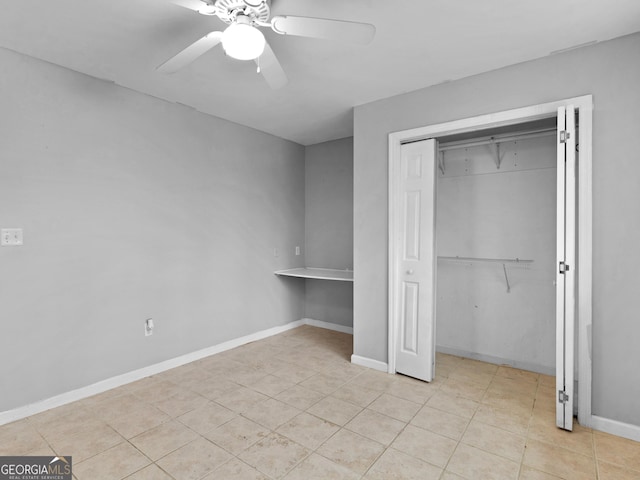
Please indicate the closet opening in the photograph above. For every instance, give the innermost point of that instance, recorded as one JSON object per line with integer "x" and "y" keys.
{"x": 489, "y": 246}
{"x": 496, "y": 246}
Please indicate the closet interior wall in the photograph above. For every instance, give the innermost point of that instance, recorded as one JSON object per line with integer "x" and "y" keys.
{"x": 498, "y": 201}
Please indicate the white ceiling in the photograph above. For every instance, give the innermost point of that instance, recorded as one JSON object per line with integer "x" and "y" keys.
{"x": 418, "y": 43}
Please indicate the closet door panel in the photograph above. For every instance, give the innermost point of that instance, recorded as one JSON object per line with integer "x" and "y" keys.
{"x": 415, "y": 345}
{"x": 565, "y": 276}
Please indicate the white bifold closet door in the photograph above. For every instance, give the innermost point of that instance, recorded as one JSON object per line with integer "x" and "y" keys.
{"x": 416, "y": 261}
{"x": 566, "y": 268}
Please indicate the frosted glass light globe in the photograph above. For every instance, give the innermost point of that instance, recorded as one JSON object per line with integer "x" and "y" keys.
{"x": 243, "y": 41}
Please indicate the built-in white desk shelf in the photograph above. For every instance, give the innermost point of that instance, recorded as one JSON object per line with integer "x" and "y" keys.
{"x": 318, "y": 273}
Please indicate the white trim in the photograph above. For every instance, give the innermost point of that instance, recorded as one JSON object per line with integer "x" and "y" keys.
{"x": 626, "y": 430}
{"x": 369, "y": 363}
{"x": 512, "y": 117}
{"x": 585, "y": 258}
{"x": 328, "y": 326}
{"x": 393, "y": 301}
{"x": 499, "y": 119}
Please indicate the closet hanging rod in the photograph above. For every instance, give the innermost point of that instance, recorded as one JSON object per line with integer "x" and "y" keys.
{"x": 503, "y": 261}
{"x": 488, "y": 260}
{"x": 476, "y": 142}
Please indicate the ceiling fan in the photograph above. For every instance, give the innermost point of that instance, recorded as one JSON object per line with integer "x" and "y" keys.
{"x": 243, "y": 40}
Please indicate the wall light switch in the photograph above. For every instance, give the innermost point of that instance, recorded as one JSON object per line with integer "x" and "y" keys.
{"x": 11, "y": 237}
{"x": 297, "y": 250}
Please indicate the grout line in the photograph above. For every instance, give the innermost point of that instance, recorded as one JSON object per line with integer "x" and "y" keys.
{"x": 459, "y": 441}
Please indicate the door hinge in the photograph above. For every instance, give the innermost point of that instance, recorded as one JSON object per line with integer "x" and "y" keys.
{"x": 564, "y": 136}
{"x": 562, "y": 396}
{"x": 563, "y": 267}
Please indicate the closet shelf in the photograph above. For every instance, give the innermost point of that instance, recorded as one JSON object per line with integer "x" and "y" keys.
{"x": 493, "y": 142}
{"x": 503, "y": 261}
{"x": 318, "y": 273}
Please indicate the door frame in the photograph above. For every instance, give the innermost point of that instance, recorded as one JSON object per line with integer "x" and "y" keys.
{"x": 584, "y": 105}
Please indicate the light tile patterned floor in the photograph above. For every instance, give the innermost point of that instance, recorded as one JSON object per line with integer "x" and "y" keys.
{"x": 293, "y": 407}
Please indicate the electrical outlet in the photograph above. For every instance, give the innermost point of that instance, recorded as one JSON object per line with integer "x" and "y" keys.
{"x": 275, "y": 252}
{"x": 148, "y": 327}
{"x": 11, "y": 237}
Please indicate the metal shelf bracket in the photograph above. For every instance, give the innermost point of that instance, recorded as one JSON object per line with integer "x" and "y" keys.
{"x": 441, "y": 161}
{"x": 496, "y": 148}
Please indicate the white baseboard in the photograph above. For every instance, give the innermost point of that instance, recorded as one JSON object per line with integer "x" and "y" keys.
{"x": 369, "y": 363}
{"x": 532, "y": 367}
{"x": 119, "y": 380}
{"x": 615, "y": 427}
{"x": 328, "y": 326}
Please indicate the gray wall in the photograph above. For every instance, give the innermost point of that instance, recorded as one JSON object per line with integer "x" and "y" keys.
{"x": 329, "y": 228}
{"x": 611, "y": 72}
{"x": 132, "y": 208}
{"x": 509, "y": 212}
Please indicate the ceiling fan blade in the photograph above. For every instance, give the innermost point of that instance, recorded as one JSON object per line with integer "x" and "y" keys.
{"x": 271, "y": 69}
{"x": 189, "y": 54}
{"x": 196, "y": 5}
{"x": 354, "y": 32}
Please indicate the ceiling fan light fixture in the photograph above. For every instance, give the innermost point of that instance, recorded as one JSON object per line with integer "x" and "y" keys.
{"x": 243, "y": 41}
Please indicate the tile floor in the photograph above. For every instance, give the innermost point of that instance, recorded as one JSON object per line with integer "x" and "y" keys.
{"x": 293, "y": 407}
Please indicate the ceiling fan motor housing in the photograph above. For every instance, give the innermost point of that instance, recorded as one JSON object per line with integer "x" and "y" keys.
{"x": 256, "y": 10}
